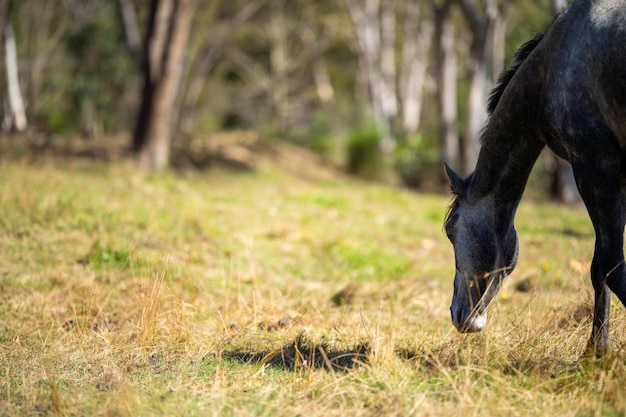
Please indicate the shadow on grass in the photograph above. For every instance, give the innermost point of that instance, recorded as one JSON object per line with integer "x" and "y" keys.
{"x": 303, "y": 354}
{"x": 450, "y": 357}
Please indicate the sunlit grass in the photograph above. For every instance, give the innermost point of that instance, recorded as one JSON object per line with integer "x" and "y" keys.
{"x": 216, "y": 293}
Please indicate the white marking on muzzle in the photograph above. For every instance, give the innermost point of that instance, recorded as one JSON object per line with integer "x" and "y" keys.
{"x": 475, "y": 324}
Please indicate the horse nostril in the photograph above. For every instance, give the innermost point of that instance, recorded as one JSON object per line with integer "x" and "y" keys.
{"x": 465, "y": 321}
{"x": 457, "y": 317}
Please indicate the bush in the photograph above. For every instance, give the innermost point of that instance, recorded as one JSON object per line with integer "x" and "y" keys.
{"x": 364, "y": 156}
{"x": 417, "y": 162}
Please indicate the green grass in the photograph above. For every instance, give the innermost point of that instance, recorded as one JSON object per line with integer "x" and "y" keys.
{"x": 213, "y": 294}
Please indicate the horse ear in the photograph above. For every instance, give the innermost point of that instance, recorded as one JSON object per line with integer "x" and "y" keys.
{"x": 457, "y": 183}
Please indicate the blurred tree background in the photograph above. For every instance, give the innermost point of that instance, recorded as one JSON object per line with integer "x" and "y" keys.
{"x": 368, "y": 84}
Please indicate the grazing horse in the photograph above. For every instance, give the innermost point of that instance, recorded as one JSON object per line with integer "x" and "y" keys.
{"x": 566, "y": 90}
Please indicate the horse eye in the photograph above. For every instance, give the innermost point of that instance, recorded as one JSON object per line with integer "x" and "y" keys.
{"x": 449, "y": 234}
{"x": 449, "y": 227}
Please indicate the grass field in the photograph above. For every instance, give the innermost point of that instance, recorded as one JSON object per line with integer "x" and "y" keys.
{"x": 269, "y": 294}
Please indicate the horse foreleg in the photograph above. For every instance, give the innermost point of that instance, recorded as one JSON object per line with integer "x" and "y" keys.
{"x": 601, "y": 192}
{"x": 599, "y": 342}
{"x": 606, "y": 279}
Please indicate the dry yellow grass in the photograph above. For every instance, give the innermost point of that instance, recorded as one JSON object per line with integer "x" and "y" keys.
{"x": 220, "y": 293}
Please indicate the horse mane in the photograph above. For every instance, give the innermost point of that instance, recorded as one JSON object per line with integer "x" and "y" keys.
{"x": 506, "y": 76}
{"x": 454, "y": 204}
{"x": 494, "y": 97}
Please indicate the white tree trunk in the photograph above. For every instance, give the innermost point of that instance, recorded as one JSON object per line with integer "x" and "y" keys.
{"x": 417, "y": 39}
{"x": 496, "y": 42}
{"x": 365, "y": 20}
{"x": 487, "y": 32}
{"x": 279, "y": 64}
{"x": 558, "y": 6}
{"x": 445, "y": 69}
{"x": 16, "y": 103}
{"x": 476, "y": 112}
{"x": 388, "y": 58}
{"x": 448, "y": 97}
{"x": 375, "y": 32}
{"x": 323, "y": 85}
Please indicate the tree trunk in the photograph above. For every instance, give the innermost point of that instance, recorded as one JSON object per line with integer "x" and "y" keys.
{"x": 563, "y": 184}
{"x": 446, "y": 78}
{"x": 388, "y": 58}
{"x": 558, "y": 6}
{"x": 323, "y": 85}
{"x": 17, "y": 119}
{"x": 279, "y": 65}
{"x": 128, "y": 19}
{"x": 166, "y": 44}
{"x": 486, "y": 48}
{"x": 476, "y": 106}
{"x": 374, "y": 26}
{"x": 417, "y": 38}
{"x": 497, "y": 41}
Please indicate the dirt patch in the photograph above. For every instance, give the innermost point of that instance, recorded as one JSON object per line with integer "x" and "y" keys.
{"x": 245, "y": 150}
{"x": 237, "y": 150}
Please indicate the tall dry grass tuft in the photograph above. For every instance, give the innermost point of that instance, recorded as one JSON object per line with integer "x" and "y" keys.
{"x": 151, "y": 303}
{"x": 57, "y": 404}
{"x": 163, "y": 316}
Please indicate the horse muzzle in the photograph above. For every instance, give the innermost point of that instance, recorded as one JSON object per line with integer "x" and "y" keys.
{"x": 468, "y": 321}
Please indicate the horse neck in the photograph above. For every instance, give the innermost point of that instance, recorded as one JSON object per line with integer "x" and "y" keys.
{"x": 511, "y": 141}
{"x": 509, "y": 150}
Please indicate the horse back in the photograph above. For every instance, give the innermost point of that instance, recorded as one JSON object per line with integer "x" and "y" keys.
{"x": 583, "y": 59}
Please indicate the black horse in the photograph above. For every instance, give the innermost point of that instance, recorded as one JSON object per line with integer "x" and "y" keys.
{"x": 567, "y": 90}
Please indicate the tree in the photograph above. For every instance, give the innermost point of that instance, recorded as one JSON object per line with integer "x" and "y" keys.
{"x": 166, "y": 39}
{"x": 415, "y": 48}
{"x": 487, "y": 25}
{"x": 15, "y": 118}
{"x": 208, "y": 55}
{"x": 446, "y": 79}
{"x": 130, "y": 27}
{"x": 270, "y": 71}
{"x": 374, "y": 25}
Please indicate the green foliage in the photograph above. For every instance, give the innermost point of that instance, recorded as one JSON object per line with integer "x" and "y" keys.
{"x": 324, "y": 144}
{"x": 417, "y": 161}
{"x": 56, "y": 119}
{"x": 364, "y": 156}
{"x": 100, "y": 257}
{"x": 101, "y": 70}
{"x": 319, "y": 136}
{"x": 89, "y": 78}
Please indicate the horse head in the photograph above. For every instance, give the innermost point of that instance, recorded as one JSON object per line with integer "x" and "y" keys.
{"x": 485, "y": 253}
